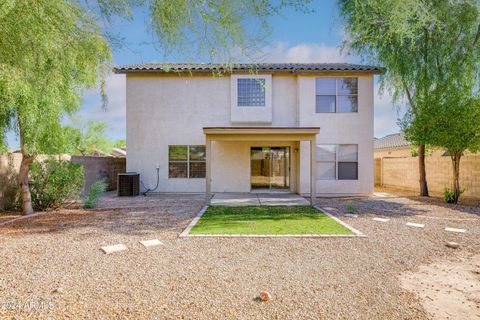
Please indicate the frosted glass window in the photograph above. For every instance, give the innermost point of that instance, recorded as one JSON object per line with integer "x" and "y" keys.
{"x": 250, "y": 92}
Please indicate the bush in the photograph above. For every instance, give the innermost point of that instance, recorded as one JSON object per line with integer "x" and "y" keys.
{"x": 351, "y": 208}
{"x": 449, "y": 195}
{"x": 55, "y": 182}
{"x": 96, "y": 189}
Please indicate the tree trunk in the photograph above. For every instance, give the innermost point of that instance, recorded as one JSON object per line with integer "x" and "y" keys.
{"x": 456, "y": 176}
{"x": 27, "y": 160}
{"x": 23, "y": 184}
{"x": 422, "y": 171}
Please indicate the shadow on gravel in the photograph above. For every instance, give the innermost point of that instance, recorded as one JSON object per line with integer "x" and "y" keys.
{"x": 172, "y": 216}
{"x": 395, "y": 206}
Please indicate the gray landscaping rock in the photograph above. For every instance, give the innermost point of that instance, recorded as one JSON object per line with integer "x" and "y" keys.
{"x": 452, "y": 245}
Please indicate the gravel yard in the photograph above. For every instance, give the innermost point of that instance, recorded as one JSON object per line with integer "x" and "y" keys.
{"x": 51, "y": 265}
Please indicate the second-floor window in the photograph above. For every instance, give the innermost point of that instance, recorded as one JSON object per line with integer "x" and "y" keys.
{"x": 251, "y": 92}
{"x": 336, "y": 95}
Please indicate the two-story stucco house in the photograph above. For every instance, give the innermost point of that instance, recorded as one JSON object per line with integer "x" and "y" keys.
{"x": 304, "y": 128}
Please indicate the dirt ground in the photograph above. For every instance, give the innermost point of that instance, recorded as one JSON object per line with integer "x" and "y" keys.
{"x": 51, "y": 265}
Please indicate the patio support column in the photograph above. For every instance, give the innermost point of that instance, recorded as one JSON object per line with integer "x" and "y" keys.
{"x": 208, "y": 173}
{"x": 313, "y": 175}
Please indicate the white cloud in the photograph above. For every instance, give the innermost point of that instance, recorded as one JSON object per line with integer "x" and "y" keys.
{"x": 282, "y": 52}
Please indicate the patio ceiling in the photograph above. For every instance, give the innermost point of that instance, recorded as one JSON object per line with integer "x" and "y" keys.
{"x": 261, "y": 133}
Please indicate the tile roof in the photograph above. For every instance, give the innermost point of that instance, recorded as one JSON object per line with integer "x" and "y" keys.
{"x": 248, "y": 67}
{"x": 396, "y": 140}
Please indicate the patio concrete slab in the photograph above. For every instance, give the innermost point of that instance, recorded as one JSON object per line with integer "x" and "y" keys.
{"x": 282, "y": 199}
{"x": 235, "y": 199}
{"x": 258, "y": 199}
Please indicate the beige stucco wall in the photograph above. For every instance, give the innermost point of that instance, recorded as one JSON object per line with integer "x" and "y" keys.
{"x": 169, "y": 110}
{"x": 339, "y": 128}
{"x": 231, "y": 164}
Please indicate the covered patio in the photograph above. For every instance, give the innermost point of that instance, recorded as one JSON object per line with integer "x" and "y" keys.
{"x": 259, "y": 134}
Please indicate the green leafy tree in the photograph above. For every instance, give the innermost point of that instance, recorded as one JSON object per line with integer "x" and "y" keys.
{"x": 449, "y": 115}
{"x": 84, "y": 138}
{"x": 50, "y": 50}
{"x": 416, "y": 41}
{"x": 120, "y": 143}
{"x": 219, "y": 29}
{"x": 454, "y": 118}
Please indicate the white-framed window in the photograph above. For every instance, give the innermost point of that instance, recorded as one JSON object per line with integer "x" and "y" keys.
{"x": 251, "y": 92}
{"x": 186, "y": 161}
{"x": 336, "y": 95}
{"x": 337, "y": 162}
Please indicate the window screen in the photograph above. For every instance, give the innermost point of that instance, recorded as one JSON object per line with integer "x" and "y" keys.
{"x": 337, "y": 162}
{"x": 326, "y": 157}
{"x": 250, "y": 92}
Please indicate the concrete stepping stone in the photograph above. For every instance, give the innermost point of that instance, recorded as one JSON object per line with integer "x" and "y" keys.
{"x": 351, "y": 215}
{"x": 151, "y": 243}
{"x": 381, "y": 219}
{"x": 114, "y": 248}
{"x": 455, "y": 230}
{"x": 416, "y": 225}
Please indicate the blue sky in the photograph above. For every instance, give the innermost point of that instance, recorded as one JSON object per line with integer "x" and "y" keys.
{"x": 295, "y": 37}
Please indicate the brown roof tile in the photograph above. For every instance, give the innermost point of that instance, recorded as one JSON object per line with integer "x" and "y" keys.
{"x": 248, "y": 67}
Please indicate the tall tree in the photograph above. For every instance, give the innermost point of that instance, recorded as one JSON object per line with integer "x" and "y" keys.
{"x": 394, "y": 33}
{"x": 453, "y": 117}
{"x": 431, "y": 54}
{"x": 50, "y": 50}
{"x": 449, "y": 115}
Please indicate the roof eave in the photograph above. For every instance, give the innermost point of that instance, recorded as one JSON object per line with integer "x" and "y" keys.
{"x": 246, "y": 71}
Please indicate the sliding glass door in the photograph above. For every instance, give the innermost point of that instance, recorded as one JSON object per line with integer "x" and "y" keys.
{"x": 270, "y": 168}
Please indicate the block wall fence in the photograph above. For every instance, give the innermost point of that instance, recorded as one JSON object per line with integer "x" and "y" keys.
{"x": 402, "y": 173}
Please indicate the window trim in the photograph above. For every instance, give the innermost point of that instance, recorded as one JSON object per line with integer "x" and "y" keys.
{"x": 187, "y": 162}
{"x": 337, "y": 94}
{"x": 337, "y": 147}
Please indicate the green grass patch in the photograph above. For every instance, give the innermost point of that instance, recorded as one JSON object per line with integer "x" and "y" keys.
{"x": 266, "y": 220}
